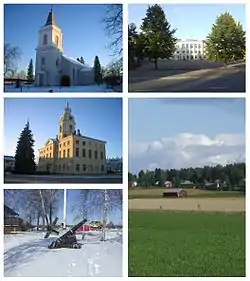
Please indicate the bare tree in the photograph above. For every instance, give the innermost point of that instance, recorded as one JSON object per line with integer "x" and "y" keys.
{"x": 11, "y": 56}
{"x": 113, "y": 25}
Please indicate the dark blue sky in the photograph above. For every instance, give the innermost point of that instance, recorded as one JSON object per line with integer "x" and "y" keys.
{"x": 82, "y": 27}
{"x": 99, "y": 118}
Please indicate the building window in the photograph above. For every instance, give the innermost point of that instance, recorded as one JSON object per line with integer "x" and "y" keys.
{"x": 183, "y": 46}
{"x": 96, "y": 155}
{"x": 70, "y": 128}
{"x": 83, "y": 153}
{"x": 83, "y": 143}
{"x": 84, "y": 168}
{"x": 102, "y": 155}
{"x": 68, "y": 152}
{"x": 187, "y": 46}
{"x": 191, "y": 46}
{"x": 199, "y": 46}
{"x": 57, "y": 41}
{"x": 77, "y": 142}
{"x": 45, "y": 39}
{"x": 195, "y": 45}
{"x": 191, "y": 52}
{"x": 90, "y": 154}
{"x": 102, "y": 168}
{"x": 63, "y": 167}
{"x": 64, "y": 153}
{"x": 77, "y": 167}
{"x": 59, "y": 167}
{"x": 77, "y": 152}
{"x": 68, "y": 143}
{"x": 42, "y": 63}
{"x": 183, "y": 52}
{"x": 64, "y": 144}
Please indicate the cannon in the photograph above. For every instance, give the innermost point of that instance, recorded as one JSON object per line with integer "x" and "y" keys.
{"x": 52, "y": 228}
{"x": 68, "y": 239}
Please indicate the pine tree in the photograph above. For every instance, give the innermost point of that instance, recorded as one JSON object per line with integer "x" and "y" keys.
{"x": 97, "y": 71}
{"x": 159, "y": 38}
{"x": 226, "y": 41}
{"x": 30, "y": 72}
{"x": 25, "y": 157}
{"x": 82, "y": 60}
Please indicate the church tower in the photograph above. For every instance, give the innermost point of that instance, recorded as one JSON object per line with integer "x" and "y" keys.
{"x": 48, "y": 53}
{"x": 67, "y": 123}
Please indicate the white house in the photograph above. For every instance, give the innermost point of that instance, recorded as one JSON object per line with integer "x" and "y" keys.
{"x": 190, "y": 49}
{"x": 51, "y": 63}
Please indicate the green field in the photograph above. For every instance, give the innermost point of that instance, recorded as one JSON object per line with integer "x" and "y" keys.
{"x": 186, "y": 244}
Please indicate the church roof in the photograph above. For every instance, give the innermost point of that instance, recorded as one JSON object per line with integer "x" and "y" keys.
{"x": 84, "y": 67}
{"x": 50, "y": 18}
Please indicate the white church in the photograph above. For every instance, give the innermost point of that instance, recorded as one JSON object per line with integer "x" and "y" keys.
{"x": 51, "y": 63}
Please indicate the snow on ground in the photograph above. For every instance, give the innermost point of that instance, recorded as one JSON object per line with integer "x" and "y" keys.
{"x": 27, "y": 255}
{"x": 82, "y": 89}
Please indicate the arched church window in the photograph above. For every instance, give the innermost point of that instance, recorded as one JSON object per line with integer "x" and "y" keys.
{"x": 45, "y": 39}
{"x": 42, "y": 63}
{"x": 57, "y": 41}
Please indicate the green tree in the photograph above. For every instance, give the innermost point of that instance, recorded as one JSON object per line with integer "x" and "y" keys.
{"x": 97, "y": 71}
{"x": 30, "y": 72}
{"x": 226, "y": 41}
{"x": 25, "y": 157}
{"x": 160, "y": 40}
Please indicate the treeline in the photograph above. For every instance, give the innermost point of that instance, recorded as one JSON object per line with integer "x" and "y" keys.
{"x": 232, "y": 175}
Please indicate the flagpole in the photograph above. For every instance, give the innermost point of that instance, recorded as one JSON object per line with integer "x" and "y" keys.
{"x": 64, "y": 208}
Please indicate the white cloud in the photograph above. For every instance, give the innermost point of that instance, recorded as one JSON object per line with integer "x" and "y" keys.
{"x": 186, "y": 150}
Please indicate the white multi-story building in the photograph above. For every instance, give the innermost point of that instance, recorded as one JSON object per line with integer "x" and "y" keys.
{"x": 190, "y": 49}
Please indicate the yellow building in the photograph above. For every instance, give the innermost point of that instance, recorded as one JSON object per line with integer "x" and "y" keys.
{"x": 71, "y": 152}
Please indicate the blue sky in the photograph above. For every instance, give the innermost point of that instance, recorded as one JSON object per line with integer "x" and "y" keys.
{"x": 193, "y": 21}
{"x": 73, "y": 195}
{"x": 99, "y": 118}
{"x": 155, "y": 126}
{"x": 82, "y": 27}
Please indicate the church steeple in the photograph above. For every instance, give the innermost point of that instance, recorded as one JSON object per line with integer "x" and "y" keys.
{"x": 50, "y": 18}
{"x": 66, "y": 123}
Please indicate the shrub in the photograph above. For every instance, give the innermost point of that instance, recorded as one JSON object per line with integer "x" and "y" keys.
{"x": 112, "y": 80}
{"x": 65, "y": 80}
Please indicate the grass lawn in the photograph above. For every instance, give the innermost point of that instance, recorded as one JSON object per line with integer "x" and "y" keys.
{"x": 186, "y": 244}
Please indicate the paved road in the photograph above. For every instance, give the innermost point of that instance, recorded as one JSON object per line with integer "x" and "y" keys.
{"x": 63, "y": 179}
{"x": 216, "y": 80}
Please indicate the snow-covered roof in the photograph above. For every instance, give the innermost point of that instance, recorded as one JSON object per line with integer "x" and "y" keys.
{"x": 76, "y": 62}
{"x": 73, "y": 60}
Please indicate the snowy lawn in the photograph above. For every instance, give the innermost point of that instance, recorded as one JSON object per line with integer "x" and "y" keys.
{"x": 27, "y": 255}
{"x": 82, "y": 89}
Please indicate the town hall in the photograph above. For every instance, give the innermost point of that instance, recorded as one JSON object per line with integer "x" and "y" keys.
{"x": 52, "y": 64}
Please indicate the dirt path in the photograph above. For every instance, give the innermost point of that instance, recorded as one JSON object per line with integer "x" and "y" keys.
{"x": 189, "y": 204}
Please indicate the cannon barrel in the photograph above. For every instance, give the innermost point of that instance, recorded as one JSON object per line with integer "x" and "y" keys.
{"x": 73, "y": 229}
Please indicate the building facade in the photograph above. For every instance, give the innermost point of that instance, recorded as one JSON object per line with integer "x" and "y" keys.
{"x": 52, "y": 64}
{"x": 190, "y": 50}
{"x": 71, "y": 152}
{"x": 9, "y": 163}
{"x": 114, "y": 165}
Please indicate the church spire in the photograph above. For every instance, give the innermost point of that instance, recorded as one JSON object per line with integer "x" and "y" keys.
{"x": 50, "y": 18}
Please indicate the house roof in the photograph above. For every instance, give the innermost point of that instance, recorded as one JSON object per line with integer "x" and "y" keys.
{"x": 84, "y": 67}
{"x": 50, "y": 19}
{"x": 9, "y": 211}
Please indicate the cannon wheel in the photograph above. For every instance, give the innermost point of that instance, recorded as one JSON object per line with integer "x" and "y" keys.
{"x": 76, "y": 246}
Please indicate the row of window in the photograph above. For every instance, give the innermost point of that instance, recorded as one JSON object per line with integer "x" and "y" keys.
{"x": 190, "y": 57}
{"x": 187, "y": 52}
{"x": 191, "y": 46}
{"x": 81, "y": 168}
{"x": 49, "y": 148}
{"x": 66, "y": 153}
